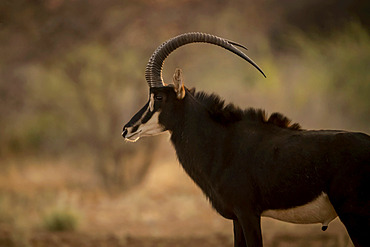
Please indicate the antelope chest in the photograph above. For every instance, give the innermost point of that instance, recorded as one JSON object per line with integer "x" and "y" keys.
{"x": 320, "y": 210}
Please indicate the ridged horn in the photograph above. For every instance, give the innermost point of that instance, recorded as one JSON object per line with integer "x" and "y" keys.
{"x": 153, "y": 71}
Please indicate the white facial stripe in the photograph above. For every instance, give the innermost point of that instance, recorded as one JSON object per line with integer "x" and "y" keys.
{"x": 150, "y": 108}
{"x": 138, "y": 122}
{"x": 151, "y": 102}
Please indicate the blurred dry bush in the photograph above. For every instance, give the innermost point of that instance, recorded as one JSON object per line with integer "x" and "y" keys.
{"x": 335, "y": 72}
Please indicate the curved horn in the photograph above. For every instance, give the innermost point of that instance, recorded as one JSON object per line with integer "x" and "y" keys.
{"x": 153, "y": 71}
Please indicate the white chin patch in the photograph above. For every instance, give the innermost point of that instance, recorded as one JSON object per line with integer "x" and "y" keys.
{"x": 133, "y": 137}
{"x": 132, "y": 140}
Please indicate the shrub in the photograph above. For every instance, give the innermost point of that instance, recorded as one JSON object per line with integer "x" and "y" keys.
{"x": 61, "y": 220}
{"x": 333, "y": 70}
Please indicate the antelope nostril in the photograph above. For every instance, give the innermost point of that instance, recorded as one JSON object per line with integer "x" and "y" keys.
{"x": 124, "y": 132}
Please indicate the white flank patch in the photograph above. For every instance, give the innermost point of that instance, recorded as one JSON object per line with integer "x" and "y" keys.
{"x": 319, "y": 210}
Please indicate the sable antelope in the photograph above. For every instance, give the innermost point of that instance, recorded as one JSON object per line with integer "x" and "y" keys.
{"x": 251, "y": 166}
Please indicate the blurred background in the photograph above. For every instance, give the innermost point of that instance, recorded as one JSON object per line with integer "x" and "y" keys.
{"x": 72, "y": 74}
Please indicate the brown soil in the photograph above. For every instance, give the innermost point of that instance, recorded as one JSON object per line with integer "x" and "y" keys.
{"x": 47, "y": 239}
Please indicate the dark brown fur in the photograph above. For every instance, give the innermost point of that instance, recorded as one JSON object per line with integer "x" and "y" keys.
{"x": 229, "y": 113}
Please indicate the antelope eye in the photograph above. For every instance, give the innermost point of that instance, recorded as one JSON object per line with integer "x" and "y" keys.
{"x": 158, "y": 97}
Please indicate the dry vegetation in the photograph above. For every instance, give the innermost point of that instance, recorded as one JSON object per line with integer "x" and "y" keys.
{"x": 71, "y": 74}
{"x": 166, "y": 209}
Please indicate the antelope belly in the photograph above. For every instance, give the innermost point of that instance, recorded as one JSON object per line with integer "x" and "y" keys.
{"x": 320, "y": 210}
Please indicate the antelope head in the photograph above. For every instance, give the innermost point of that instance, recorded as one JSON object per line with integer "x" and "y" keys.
{"x": 164, "y": 98}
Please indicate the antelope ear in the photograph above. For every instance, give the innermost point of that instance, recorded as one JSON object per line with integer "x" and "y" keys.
{"x": 179, "y": 85}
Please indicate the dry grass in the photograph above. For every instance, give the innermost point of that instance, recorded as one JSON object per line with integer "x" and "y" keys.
{"x": 166, "y": 205}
